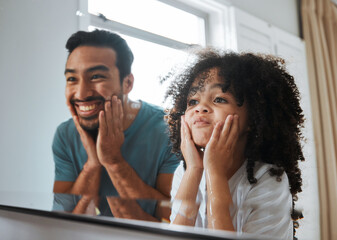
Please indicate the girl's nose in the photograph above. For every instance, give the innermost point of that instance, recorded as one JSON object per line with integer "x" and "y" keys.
{"x": 202, "y": 108}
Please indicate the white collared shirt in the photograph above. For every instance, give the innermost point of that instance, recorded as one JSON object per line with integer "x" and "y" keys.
{"x": 261, "y": 208}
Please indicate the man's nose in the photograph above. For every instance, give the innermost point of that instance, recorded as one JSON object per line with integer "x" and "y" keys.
{"x": 83, "y": 90}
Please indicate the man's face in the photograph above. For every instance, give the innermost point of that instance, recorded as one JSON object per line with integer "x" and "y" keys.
{"x": 92, "y": 77}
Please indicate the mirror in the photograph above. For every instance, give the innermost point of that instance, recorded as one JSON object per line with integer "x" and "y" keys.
{"x": 32, "y": 61}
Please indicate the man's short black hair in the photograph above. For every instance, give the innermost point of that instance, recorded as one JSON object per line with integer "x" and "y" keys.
{"x": 102, "y": 38}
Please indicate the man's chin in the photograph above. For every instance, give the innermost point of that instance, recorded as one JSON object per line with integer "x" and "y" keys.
{"x": 89, "y": 125}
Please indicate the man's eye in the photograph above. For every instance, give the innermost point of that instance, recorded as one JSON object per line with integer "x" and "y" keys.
{"x": 97, "y": 76}
{"x": 192, "y": 102}
{"x": 71, "y": 79}
{"x": 220, "y": 100}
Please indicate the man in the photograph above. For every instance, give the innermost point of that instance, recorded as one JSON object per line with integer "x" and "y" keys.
{"x": 112, "y": 145}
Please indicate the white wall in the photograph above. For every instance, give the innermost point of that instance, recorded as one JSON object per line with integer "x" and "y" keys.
{"x": 32, "y": 58}
{"x": 280, "y": 13}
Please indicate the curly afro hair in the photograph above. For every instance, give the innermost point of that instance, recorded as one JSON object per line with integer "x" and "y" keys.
{"x": 273, "y": 108}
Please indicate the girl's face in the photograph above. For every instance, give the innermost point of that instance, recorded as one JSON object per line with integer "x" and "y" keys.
{"x": 208, "y": 105}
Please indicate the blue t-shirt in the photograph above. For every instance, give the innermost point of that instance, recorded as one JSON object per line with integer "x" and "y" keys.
{"x": 146, "y": 148}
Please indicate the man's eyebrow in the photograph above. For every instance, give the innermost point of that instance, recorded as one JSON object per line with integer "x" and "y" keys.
{"x": 91, "y": 69}
{"x": 69, "y": 71}
{"x": 98, "y": 67}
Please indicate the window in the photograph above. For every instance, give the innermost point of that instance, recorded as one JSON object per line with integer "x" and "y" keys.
{"x": 155, "y": 17}
{"x": 158, "y": 32}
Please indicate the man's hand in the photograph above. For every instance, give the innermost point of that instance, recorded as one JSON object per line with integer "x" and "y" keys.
{"x": 86, "y": 205}
{"x": 219, "y": 152}
{"x": 89, "y": 179}
{"x": 87, "y": 141}
{"x": 192, "y": 155}
{"x": 129, "y": 209}
{"x": 110, "y": 134}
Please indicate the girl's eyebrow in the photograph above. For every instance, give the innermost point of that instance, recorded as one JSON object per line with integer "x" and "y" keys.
{"x": 222, "y": 86}
{"x": 193, "y": 90}
{"x": 217, "y": 85}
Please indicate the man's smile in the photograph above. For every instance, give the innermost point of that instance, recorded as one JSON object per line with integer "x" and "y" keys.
{"x": 87, "y": 109}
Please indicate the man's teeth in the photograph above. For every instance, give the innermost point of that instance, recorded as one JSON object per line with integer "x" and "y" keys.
{"x": 87, "y": 108}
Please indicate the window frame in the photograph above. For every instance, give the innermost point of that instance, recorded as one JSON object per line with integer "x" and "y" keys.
{"x": 217, "y": 23}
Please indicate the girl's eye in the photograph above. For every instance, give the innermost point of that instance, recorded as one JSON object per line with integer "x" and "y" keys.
{"x": 192, "y": 102}
{"x": 220, "y": 100}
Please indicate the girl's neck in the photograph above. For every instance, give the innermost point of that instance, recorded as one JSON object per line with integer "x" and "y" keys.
{"x": 239, "y": 157}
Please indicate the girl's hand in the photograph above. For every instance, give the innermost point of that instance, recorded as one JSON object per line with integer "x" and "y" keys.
{"x": 192, "y": 155}
{"x": 219, "y": 151}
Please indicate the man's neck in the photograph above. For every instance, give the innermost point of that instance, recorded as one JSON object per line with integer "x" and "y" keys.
{"x": 130, "y": 110}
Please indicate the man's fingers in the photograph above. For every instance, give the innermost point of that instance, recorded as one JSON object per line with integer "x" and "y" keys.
{"x": 75, "y": 118}
{"x": 121, "y": 114}
{"x": 77, "y": 124}
{"x": 115, "y": 115}
{"x": 103, "y": 128}
{"x": 71, "y": 109}
{"x": 108, "y": 115}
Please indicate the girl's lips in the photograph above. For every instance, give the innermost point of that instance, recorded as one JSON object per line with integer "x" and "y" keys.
{"x": 201, "y": 122}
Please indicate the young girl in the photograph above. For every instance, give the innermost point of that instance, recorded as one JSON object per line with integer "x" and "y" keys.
{"x": 236, "y": 120}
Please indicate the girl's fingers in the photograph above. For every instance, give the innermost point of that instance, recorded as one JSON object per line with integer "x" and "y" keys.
{"x": 216, "y": 132}
{"x": 185, "y": 134}
{"x": 182, "y": 129}
{"x": 187, "y": 131}
{"x": 234, "y": 132}
{"x": 226, "y": 129}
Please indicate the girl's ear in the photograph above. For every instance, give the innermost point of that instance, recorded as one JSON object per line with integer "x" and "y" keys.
{"x": 128, "y": 83}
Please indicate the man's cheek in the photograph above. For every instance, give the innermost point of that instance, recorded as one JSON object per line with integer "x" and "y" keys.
{"x": 67, "y": 93}
{"x": 106, "y": 94}
{"x": 107, "y": 90}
